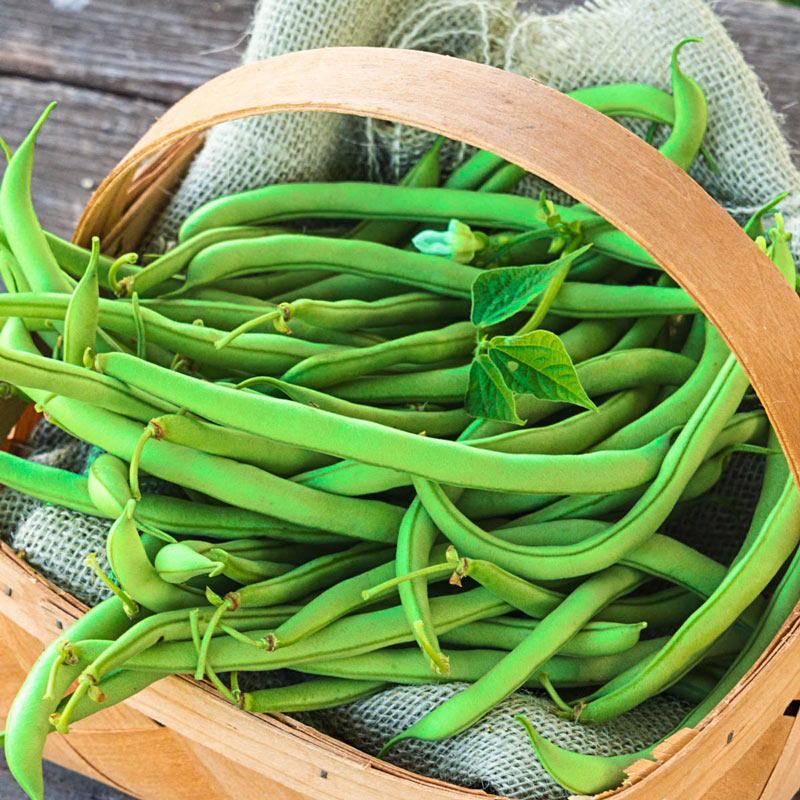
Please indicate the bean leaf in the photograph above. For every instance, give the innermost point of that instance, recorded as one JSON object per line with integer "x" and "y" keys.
{"x": 487, "y": 394}
{"x": 536, "y": 363}
{"x": 500, "y": 293}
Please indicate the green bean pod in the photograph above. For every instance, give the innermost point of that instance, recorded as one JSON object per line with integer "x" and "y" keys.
{"x": 333, "y": 603}
{"x": 173, "y": 261}
{"x": 558, "y": 627}
{"x": 225, "y": 315}
{"x": 247, "y": 570}
{"x": 36, "y": 371}
{"x": 505, "y": 633}
{"x": 411, "y": 420}
{"x": 432, "y": 273}
{"x": 248, "y": 487}
{"x": 269, "y": 352}
{"x": 82, "y": 315}
{"x": 611, "y": 372}
{"x": 21, "y": 228}
{"x": 428, "y": 347}
{"x": 274, "y": 457}
{"x": 309, "y": 695}
{"x": 778, "y": 537}
{"x": 170, "y": 626}
{"x": 136, "y": 574}
{"x": 177, "y": 563}
{"x": 28, "y": 723}
{"x": 315, "y": 429}
{"x": 691, "y": 114}
{"x": 50, "y": 484}
{"x": 403, "y": 665}
{"x": 376, "y": 201}
{"x": 353, "y": 635}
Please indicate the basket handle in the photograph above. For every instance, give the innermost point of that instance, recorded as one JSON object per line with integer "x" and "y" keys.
{"x": 579, "y": 150}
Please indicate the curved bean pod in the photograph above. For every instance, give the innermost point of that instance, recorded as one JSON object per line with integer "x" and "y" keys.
{"x": 558, "y": 627}
{"x": 777, "y": 538}
{"x": 28, "y": 720}
{"x": 82, "y": 314}
{"x": 428, "y": 347}
{"x": 21, "y": 228}
{"x": 607, "y": 547}
{"x": 136, "y": 574}
{"x": 691, "y": 114}
{"x": 309, "y": 695}
{"x": 505, "y": 633}
{"x": 372, "y": 444}
{"x": 173, "y": 261}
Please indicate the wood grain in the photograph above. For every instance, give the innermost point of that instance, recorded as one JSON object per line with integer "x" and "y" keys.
{"x": 149, "y": 49}
{"x": 768, "y": 34}
{"x": 88, "y": 132}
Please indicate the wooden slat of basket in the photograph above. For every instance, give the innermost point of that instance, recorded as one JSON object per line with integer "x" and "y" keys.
{"x": 148, "y": 198}
{"x": 10, "y": 410}
{"x": 783, "y": 780}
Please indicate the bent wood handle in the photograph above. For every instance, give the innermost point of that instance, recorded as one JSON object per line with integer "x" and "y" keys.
{"x": 579, "y": 150}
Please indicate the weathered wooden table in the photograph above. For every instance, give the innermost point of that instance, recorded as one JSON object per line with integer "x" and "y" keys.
{"x": 115, "y": 66}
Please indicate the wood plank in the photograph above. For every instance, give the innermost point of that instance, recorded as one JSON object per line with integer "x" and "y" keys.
{"x": 148, "y": 49}
{"x": 85, "y": 136}
{"x": 786, "y": 775}
{"x": 769, "y": 35}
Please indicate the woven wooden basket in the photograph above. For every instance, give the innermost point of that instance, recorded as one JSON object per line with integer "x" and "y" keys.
{"x": 178, "y": 739}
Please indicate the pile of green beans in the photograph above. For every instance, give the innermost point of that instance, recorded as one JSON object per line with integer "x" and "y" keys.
{"x": 356, "y": 504}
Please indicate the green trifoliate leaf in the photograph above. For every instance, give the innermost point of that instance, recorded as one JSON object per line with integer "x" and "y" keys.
{"x": 487, "y": 395}
{"x": 458, "y": 242}
{"x": 536, "y": 363}
{"x": 500, "y": 293}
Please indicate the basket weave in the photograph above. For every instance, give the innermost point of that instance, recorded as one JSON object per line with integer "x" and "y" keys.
{"x": 178, "y": 739}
